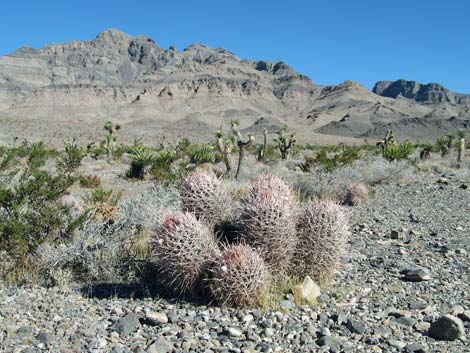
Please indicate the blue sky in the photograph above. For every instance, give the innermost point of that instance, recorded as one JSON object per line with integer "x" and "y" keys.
{"x": 330, "y": 41}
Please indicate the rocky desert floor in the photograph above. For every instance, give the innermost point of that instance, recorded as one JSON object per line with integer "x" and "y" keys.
{"x": 406, "y": 271}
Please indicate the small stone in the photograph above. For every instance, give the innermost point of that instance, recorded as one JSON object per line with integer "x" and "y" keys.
{"x": 329, "y": 341}
{"x": 416, "y": 274}
{"x": 127, "y": 324}
{"x": 395, "y": 234}
{"x": 247, "y": 318}
{"x": 356, "y": 326}
{"x": 268, "y": 332}
{"x": 156, "y": 318}
{"x": 447, "y": 328}
{"x": 415, "y": 348}
{"x": 397, "y": 344}
{"x": 423, "y": 326}
{"x": 325, "y": 331}
{"x": 406, "y": 321}
{"x": 234, "y": 332}
{"x": 160, "y": 346}
{"x": 287, "y": 305}
{"x": 464, "y": 186}
{"x": 307, "y": 292}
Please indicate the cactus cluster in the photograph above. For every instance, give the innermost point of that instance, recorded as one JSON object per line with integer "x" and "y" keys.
{"x": 278, "y": 237}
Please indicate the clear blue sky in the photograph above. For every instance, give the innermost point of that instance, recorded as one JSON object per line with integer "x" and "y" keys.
{"x": 330, "y": 41}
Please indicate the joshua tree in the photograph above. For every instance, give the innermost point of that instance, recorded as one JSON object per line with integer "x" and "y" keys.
{"x": 242, "y": 145}
{"x": 450, "y": 141}
{"x": 225, "y": 146}
{"x": 284, "y": 143}
{"x": 262, "y": 148}
{"x": 110, "y": 140}
{"x": 460, "y": 154}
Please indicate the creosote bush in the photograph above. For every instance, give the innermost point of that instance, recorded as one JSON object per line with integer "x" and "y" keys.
{"x": 239, "y": 277}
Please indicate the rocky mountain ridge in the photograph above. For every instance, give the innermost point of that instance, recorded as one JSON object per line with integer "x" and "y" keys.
{"x": 70, "y": 89}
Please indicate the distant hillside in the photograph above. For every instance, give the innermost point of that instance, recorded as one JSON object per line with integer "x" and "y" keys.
{"x": 70, "y": 89}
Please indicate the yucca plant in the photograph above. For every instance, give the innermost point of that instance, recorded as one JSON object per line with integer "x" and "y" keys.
{"x": 200, "y": 153}
{"x": 109, "y": 142}
{"x": 395, "y": 152}
{"x": 141, "y": 158}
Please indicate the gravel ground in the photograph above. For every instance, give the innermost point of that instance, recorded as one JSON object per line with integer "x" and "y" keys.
{"x": 408, "y": 265}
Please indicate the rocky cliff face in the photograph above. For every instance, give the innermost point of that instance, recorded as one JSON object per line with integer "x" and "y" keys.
{"x": 431, "y": 93}
{"x": 70, "y": 89}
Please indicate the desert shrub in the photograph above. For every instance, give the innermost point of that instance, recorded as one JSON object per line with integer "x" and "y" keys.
{"x": 239, "y": 277}
{"x": 357, "y": 194}
{"x": 323, "y": 234}
{"x": 399, "y": 151}
{"x": 148, "y": 209}
{"x": 184, "y": 246}
{"x": 204, "y": 195}
{"x": 201, "y": 153}
{"x": 71, "y": 158}
{"x": 99, "y": 252}
{"x": 100, "y": 195}
{"x": 31, "y": 211}
{"x": 30, "y": 156}
{"x": 330, "y": 161}
{"x": 89, "y": 181}
{"x": 268, "y": 221}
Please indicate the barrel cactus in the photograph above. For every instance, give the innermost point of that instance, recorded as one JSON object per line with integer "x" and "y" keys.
{"x": 323, "y": 235}
{"x": 268, "y": 220}
{"x": 183, "y": 247}
{"x": 239, "y": 277}
{"x": 204, "y": 195}
{"x": 357, "y": 194}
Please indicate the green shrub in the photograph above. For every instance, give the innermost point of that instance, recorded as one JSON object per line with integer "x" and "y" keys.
{"x": 99, "y": 195}
{"x": 201, "y": 153}
{"x": 142, "y": 157}
{"x": 396, "y": 152}
{"x": 31, "y": 212}
{"x": 90, "y": 181}
{"x": 71, "y": 158}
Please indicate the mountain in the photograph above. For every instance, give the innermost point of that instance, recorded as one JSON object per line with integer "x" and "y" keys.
{"x": 70, "y": 89}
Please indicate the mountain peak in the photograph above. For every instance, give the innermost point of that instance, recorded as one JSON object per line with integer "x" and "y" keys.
{"x": 114, "y": 35}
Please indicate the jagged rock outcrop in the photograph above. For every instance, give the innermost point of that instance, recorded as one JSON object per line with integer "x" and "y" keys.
{"x": 430, "y": 93}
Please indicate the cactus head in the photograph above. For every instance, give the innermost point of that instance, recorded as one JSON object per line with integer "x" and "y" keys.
{"x": 323, "y": 235}
{"x": 268, "y": 221}
{"x": 203, "y": 194}
{"x": 239, "y": 277}
{"x": 183, "y": 247}
{"x": 357, "y": 194}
